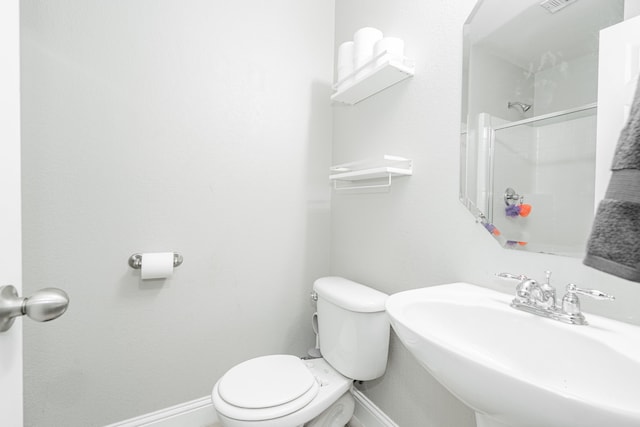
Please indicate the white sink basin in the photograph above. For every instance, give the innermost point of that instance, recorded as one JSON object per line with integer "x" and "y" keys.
{"x": 517, "y": 369}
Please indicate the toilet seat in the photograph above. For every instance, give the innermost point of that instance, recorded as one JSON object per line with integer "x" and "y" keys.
{"x": 264, "y": 388}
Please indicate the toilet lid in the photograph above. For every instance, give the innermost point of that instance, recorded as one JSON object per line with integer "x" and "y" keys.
{"x": 266, "y": 382}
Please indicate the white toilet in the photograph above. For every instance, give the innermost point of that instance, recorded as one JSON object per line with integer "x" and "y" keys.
{"x": 286, "y": 391}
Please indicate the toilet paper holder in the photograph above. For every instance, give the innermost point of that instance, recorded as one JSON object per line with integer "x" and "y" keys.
{"x": 135, "y": 260}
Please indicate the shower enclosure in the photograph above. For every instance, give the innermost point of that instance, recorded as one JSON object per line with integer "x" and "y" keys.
{"x": 548, "y": 161}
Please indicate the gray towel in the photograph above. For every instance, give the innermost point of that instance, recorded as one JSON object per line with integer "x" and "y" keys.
{"x": 614, "y": 244}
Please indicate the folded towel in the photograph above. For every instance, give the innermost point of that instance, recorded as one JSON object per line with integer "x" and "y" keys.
{"x": 614, "y": 243}
{"x": 627, "y": 155}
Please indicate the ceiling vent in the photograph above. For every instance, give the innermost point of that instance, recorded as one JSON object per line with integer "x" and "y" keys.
{"x": 552, "y": 6}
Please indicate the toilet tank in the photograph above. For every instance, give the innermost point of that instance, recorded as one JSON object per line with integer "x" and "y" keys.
{"x": 353, "y": 327}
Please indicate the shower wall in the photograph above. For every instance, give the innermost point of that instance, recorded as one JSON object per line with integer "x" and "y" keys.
{"x": 569, "y": 84}
{"x": 154, "y": 125}
{"x": 494, "y": 82}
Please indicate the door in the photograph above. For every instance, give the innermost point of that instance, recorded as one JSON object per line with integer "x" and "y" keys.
{"x": 10, "y": 226}
{"x": 618, "y": 71}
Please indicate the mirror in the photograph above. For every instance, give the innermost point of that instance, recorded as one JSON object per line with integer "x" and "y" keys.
{"x": 528, "y": 132}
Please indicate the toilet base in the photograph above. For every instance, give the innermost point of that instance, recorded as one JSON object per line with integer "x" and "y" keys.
{"x": 337, "y": 415}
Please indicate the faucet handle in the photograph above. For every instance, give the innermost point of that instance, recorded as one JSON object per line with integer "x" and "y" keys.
{"x": 527, "y": 288}
{"x": 571, "y": 303}
{"x": 520, "y": 277}
{"x": 593, "y": 293}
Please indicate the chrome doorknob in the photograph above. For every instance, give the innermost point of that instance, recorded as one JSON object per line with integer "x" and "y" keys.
{"x": 46, "y": 304}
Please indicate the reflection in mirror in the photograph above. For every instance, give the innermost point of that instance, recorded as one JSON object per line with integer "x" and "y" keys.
{"x": 528, "y": 134}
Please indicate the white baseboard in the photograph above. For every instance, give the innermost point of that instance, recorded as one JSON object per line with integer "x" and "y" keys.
{"x": 367, "y": 414}
{"x": 200, "y": 413}
{"x": 196, "y": 413}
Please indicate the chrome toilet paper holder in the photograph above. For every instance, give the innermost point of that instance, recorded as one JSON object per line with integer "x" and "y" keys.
{"x": 135, "y": 260}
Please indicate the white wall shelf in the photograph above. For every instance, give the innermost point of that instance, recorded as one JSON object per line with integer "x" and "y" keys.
{"x": 370, "y": 170}
{"x": 381, "y": 76}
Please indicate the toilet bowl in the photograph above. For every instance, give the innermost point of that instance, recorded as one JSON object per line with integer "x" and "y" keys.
{"x": 285, "y": 391}
{"x": 278, "y": 391}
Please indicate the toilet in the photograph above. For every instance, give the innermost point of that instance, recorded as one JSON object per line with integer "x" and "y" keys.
{"x": 286, "y": 391}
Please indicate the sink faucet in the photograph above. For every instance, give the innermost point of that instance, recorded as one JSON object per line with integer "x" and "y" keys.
{"x": 530, "y": 292}
{"x": 548, "y": 292}
{"x": 540, "y": 299}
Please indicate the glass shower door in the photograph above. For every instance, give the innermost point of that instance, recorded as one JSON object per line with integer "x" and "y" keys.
{"x": 548, "y": 163}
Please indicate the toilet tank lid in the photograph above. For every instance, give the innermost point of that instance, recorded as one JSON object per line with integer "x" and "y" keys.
{"x": 350, "y": 295}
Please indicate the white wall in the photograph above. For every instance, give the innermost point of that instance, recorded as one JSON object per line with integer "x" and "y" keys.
{"x": 195, "y": 126}
{"x": 419, "y": 234}
{"x": 413, "y": 235}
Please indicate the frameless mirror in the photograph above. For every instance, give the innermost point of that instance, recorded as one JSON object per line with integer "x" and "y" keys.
{"x": 528, "y": 133}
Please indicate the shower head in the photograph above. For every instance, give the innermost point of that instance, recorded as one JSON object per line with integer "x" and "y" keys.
{"x": 521, "y": 105}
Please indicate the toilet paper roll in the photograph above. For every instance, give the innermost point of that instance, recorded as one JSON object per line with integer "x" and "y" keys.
{"x": 345, "y": 60}
{"x": 363, "y": 41}
{"x": 158, "y": 265}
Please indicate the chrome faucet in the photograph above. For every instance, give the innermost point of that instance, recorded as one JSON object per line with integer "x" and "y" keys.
{"x": 540, "y": 299}
{"x": 548, "y": 297}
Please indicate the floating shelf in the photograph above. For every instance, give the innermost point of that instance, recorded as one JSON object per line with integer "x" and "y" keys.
{"x": 381, "y": 76}
{"x": 370, "y": 169}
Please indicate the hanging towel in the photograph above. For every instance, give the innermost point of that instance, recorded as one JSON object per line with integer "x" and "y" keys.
{"x": 614, "y": 243}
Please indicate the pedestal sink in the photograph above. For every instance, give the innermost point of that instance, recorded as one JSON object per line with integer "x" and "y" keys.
{"x": 517, "y": 369}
